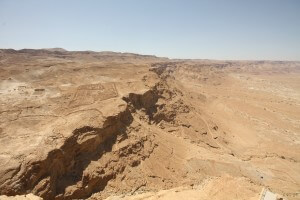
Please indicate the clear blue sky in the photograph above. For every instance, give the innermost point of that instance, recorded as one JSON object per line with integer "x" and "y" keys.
{"x": 223, "y": 29}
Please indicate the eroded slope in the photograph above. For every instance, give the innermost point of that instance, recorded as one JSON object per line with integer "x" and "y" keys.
{"x": 94, "y": 125}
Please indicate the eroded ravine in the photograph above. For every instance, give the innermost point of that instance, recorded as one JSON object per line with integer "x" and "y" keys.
{"x": 119, "y": 128}
{"x": 64, "y": 173}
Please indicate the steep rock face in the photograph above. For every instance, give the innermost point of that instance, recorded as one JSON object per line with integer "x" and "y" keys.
{"x": 91, "y": 156}
{"x": 93, "y": 125}
{"x": 65, "y": 134}
{"x": 163, "y": 102}
{"x": 66, "y": 163}
{"x": 160, "y": 103}
{"x": 65, "y": 166}
{"x": 62, "y": 174}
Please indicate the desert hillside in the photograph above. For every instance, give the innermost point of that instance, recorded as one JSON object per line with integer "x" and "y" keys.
{"x": 105, "y": 125}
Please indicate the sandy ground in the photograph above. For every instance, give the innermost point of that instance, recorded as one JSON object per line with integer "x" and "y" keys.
{"x": 125, "y": 126}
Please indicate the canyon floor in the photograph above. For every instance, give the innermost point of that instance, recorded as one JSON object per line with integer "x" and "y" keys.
{"x": 105, "y": 125}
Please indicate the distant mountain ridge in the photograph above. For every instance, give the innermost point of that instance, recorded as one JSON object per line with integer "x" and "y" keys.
{"x": 62, "y": 51}
{"x": 55, "y": 49}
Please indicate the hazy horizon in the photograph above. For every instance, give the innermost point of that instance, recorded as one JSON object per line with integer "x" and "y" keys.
{"x": 218, "y": 30}
{"x": 125, "y": 52}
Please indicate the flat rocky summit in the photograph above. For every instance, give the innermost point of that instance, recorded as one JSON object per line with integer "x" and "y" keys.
{"x": 78, "y": 125}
